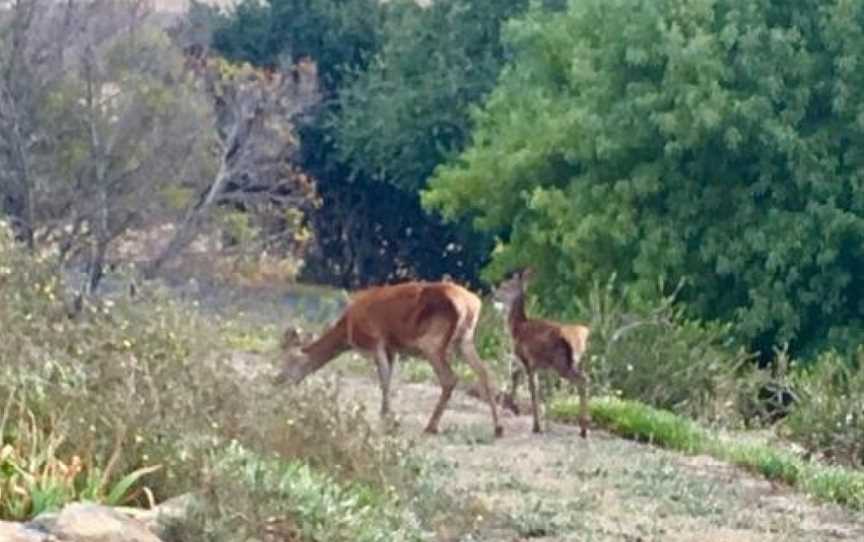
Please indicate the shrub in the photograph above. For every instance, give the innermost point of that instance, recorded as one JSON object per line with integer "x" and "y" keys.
{"x": 651, "y": 353}
{"x": 828, "y": 418}
{"x": 251, "y": 497}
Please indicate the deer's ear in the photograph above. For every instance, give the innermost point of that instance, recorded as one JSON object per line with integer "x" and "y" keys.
{"x": 527, "y": 273}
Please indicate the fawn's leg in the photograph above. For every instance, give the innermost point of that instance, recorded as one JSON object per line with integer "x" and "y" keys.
{"x": 535, "y": 407}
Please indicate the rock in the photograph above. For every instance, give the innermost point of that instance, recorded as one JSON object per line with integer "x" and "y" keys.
{"x": 21, "y": 532}
{"x": 85, "y": 522}
{"x": 156, "y": 519}
{"x": 43, "y": 522}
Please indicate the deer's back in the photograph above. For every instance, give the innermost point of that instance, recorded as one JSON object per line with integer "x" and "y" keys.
{"x": 402, "y": 314}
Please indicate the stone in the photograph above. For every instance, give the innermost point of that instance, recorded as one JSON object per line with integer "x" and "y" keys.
{"x": 86, "y": 522}
{"x": 22, "y": 532}
{"x": 173, "y": 510}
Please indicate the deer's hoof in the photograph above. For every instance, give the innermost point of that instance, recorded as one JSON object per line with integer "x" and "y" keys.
{"x": 431, "y": 431}
{"x": 537, "y": 430}
{"x": 583, "y": 433}
{"x": 499, "y": 431}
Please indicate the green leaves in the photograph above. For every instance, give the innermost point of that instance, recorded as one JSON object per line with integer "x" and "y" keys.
{"x": 409, "y": 110}
{"x": 711, "y": 141}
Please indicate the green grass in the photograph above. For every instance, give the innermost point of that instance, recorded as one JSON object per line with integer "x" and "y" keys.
{"x": 293, "y": 501}
{"x": 641, "y": 422}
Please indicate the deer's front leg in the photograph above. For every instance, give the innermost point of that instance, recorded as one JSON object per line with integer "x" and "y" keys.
{"x": 582, "y": 386}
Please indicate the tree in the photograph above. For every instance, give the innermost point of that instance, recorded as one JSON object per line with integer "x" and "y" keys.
{"x": 408, "y": 112}
{"x": 336, "y": 34}
{"x": 257, "y": 173}
{"x": 114, "y": 126}
{"x": 126, "y": 129}
{"x": 712, "y": 141}
{"x": 399, "y": 82}
{"x": 32, "y": 37}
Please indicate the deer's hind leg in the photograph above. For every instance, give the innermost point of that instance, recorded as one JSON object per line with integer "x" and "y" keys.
{"x": 515, "y": 379}
{"x": 479, "y": 368}
{"x": 448, "y": 380}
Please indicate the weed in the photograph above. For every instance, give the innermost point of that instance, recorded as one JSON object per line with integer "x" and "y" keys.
{"x": 248, "y": 496}
{"x": 828, "y": 418}
{"x": 540, "y": 518}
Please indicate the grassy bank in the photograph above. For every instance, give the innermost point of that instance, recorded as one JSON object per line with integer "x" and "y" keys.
{"x": 662, "y": 428}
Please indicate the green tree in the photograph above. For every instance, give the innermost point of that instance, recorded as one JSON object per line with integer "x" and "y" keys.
{"x": 336, "y": 34}
{"x": 369, "y": 231}
{"x": 716, "y": 141}
{"x": 405, "y": 114}
{"x": 408, "y": 111}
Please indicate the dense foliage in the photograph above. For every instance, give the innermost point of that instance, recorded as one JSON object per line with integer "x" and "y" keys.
{"x": 409, "y": 110}
{"x": 337, "y": 34}
{"x": 399, "y": 107}
{"x": 711, "y": 141}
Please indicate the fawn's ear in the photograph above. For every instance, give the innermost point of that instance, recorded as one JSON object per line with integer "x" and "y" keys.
{"x": 526, "y": 274}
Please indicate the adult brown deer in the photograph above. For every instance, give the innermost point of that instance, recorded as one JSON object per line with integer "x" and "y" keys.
{"x": 426, "y": 319}
{"x": 544, "y": 344}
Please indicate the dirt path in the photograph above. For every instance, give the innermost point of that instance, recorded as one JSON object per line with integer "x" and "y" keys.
{"x": 558, "y": 487}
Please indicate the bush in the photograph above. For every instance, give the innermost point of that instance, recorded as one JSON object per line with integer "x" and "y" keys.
{"x": 651, "y": 353}
{"x": 250, "y": 497}
{"x": 828, "y": 418}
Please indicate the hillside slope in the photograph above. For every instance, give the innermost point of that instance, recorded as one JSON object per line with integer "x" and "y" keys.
{"x": 558, "y": 487}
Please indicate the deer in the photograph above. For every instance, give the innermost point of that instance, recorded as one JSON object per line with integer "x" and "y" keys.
{"x": 543, "y": 345}
{"x": 425, "y": 319}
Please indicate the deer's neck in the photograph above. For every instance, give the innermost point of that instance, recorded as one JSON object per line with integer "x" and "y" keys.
{"x": 517, "y": 312}
{"x": 326, "y": 347}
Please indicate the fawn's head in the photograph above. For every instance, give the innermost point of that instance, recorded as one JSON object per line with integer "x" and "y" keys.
{"x": 511, "y": 288}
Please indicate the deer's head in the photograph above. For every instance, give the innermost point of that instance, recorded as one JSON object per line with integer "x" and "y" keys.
{"x": 294, "y": 358}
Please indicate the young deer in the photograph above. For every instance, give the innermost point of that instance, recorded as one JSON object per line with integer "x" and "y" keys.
{"x": 543, "y": 344}
{"x": 426, "y": 319}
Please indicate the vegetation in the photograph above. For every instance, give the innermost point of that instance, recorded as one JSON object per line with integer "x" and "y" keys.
{"x": 400, "y": 102}
{"x": 707, "y": 141}
{"x": 829, "y": 415}
{"x": 683, "y": 176}
{"x": 255, "y": 497}
{"x": 113, "y": 129}
{"x": 131, "y": 401}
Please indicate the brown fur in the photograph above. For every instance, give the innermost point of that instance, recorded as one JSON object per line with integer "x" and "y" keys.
{"x": 544, "y": 344}
{"x": 426, "y": 319}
